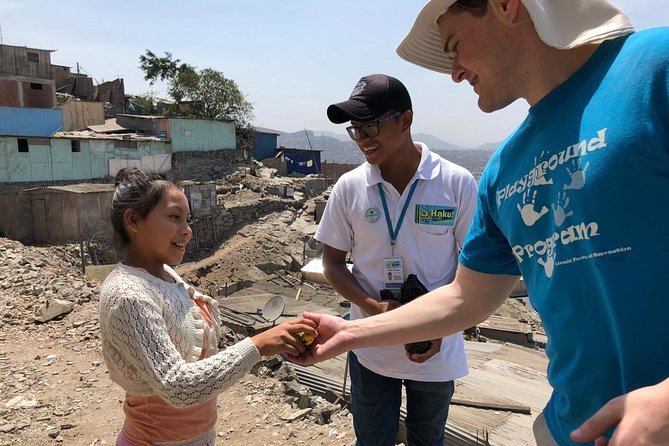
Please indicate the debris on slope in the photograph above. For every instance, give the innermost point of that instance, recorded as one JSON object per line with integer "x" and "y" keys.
{"x": 34, "y": 278}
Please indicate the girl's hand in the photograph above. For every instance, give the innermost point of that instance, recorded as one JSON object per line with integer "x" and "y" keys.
{"x": 282, "y": 339}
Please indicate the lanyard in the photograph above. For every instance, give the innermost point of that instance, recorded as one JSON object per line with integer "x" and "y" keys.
{"x": 393, "y": 234}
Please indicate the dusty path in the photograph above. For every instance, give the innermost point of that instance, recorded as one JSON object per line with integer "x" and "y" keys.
{"x": 61, "y": 380}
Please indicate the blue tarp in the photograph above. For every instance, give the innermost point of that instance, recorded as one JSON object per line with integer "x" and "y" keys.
{"x": 303, "y": 161}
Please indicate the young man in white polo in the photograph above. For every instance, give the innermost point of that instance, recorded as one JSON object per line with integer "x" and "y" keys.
{"x": 404, "y": 211}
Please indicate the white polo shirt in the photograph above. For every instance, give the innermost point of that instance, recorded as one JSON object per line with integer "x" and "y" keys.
{"x": 433, "y": 229}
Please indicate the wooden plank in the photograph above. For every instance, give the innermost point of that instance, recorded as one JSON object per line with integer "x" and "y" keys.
{"x": 506, "y": 324}
{"x": 516, "y": 408}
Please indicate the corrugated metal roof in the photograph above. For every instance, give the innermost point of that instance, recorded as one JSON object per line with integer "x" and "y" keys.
{"x": 503, "y": 374}
{"x": 88, "y": 134}
{"x": 110, "y": 126}
{"x": 81, "y": 188}
{"x": 147, "y": 117}
{"x": 267, "y": 131}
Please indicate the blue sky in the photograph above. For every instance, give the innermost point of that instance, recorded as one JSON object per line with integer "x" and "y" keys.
{"x": 291, "y": 58}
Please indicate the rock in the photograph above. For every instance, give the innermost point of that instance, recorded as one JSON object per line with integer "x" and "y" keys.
{"x": 300, "y": 392}
{"x": 297, "y": 415}
{"x": 21, "y": 402}
{"x": 7, "y": 428}
{"x": 52, "y": 309}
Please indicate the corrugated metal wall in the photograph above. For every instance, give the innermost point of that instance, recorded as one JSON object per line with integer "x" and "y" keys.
{"x": 30, "y": 121}
{"x": 52, "y": 159}
{"x": 201, "y": 135}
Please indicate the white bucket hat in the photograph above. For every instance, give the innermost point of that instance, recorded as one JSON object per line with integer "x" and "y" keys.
{"x": 561, "y": 24}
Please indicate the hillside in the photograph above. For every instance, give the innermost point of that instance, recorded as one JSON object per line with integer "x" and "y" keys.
{"x": 340, "y": 149}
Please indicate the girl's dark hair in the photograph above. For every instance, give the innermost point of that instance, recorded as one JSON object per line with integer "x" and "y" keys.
{"x": 136, "y": 190}
{"x": 477, "y": 8}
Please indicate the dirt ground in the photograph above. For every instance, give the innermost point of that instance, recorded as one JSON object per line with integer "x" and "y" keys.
{"x": 69, "y": 399}
{"x": 55, "y": 388}
{"x": 54, "y": 385}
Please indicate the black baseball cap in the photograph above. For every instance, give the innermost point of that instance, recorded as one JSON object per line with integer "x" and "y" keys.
{"x": 372, "y": 96}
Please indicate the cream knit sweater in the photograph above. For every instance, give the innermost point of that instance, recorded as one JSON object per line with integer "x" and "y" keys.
{"x": 152, "y": 334}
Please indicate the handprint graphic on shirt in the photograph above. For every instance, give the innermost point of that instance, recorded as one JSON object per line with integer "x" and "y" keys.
{"x": 577, "y": 176}
{"x": 527, "y": 212}
{"x": 540, "y": 180}
{"x": 559, "y": 209}
{"x": 548, "y": 264}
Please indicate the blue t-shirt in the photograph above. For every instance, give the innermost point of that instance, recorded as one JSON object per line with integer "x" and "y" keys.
{"x": 577, "y": 200}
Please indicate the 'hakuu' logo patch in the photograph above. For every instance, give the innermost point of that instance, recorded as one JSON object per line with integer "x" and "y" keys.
{"x": 372, "y": 214}
{"x": 427, "y": 214}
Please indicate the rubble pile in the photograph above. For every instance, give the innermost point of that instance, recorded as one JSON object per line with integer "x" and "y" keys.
{"x": 36, "y": 282}
{"x": 299, "y": 401}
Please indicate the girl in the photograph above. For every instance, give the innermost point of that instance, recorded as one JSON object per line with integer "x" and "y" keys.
{"x": 159, "y": 335}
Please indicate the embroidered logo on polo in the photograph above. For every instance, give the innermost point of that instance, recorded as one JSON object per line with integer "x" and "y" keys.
{"x": 428, "y": 214}
{"x": 372, "y": 214}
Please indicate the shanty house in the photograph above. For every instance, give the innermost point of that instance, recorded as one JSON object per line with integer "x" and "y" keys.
{"x": 264, "y": 143}
{"x": 57, "y": 214}
{"x": 26, "y": 77}
{"x": 185, "y": 135}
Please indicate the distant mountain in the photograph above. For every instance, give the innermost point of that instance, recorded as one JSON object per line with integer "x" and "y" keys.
{"x": 489, "y": 146}
{"x": 333, "y": 150}
{"x": 435, "y": 143}
{"x": 473, "y": 160}
{"x": 341, "y": 149}
{"x": 339, "y": 136}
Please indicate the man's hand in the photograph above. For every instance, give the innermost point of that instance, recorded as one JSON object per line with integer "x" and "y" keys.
{"x": 435, "y": 347}
{"x": 385, "y": 305}
{"x": 331, "y": 341}
{"x": 642, "y": 417}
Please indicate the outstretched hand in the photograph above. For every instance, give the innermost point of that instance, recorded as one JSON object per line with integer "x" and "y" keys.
{"x": 332, "y": 339}
{"x": 283, "y": 339}
{"x": 642, "y": 417}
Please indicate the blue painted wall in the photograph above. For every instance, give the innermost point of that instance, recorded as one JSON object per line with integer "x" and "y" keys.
{"x": 264, "y": 145}
{"x": 42, "y": 122}
{"x": 202, "y": 135}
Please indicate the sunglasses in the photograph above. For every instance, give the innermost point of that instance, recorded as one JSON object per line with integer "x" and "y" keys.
{"x": 370, "y": 129}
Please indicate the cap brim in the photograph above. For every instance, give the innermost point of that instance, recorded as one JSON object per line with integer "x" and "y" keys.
{"x": 353, "y": 110}
{"x": 422, "y": 46}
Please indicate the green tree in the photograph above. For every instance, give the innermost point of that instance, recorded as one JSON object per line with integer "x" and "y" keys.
{"x": 196, "y": 93}
{"x": 144, "y": 104}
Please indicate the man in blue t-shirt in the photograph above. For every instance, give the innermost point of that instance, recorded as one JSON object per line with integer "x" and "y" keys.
{"x": 574, "y": 200}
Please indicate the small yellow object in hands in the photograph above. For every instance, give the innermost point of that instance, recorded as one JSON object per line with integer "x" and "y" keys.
{"x": 304, "y": 338}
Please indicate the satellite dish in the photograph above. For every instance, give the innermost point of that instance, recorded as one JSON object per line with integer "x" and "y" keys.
{"x": 273, "y": 308}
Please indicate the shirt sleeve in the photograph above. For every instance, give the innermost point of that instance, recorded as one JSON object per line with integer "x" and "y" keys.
{"x": 139, "y": 332}
{"x": 485, "y": 248}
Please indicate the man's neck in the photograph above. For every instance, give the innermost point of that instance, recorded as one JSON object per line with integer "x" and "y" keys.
{"x": 554, "y": 69}
{"x": 399, "y": 170}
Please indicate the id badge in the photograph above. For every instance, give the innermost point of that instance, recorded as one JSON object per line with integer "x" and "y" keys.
{"x": 393, "y": 274}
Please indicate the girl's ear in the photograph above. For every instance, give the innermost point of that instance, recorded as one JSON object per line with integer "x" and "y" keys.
{"x": 130, "y": 221}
